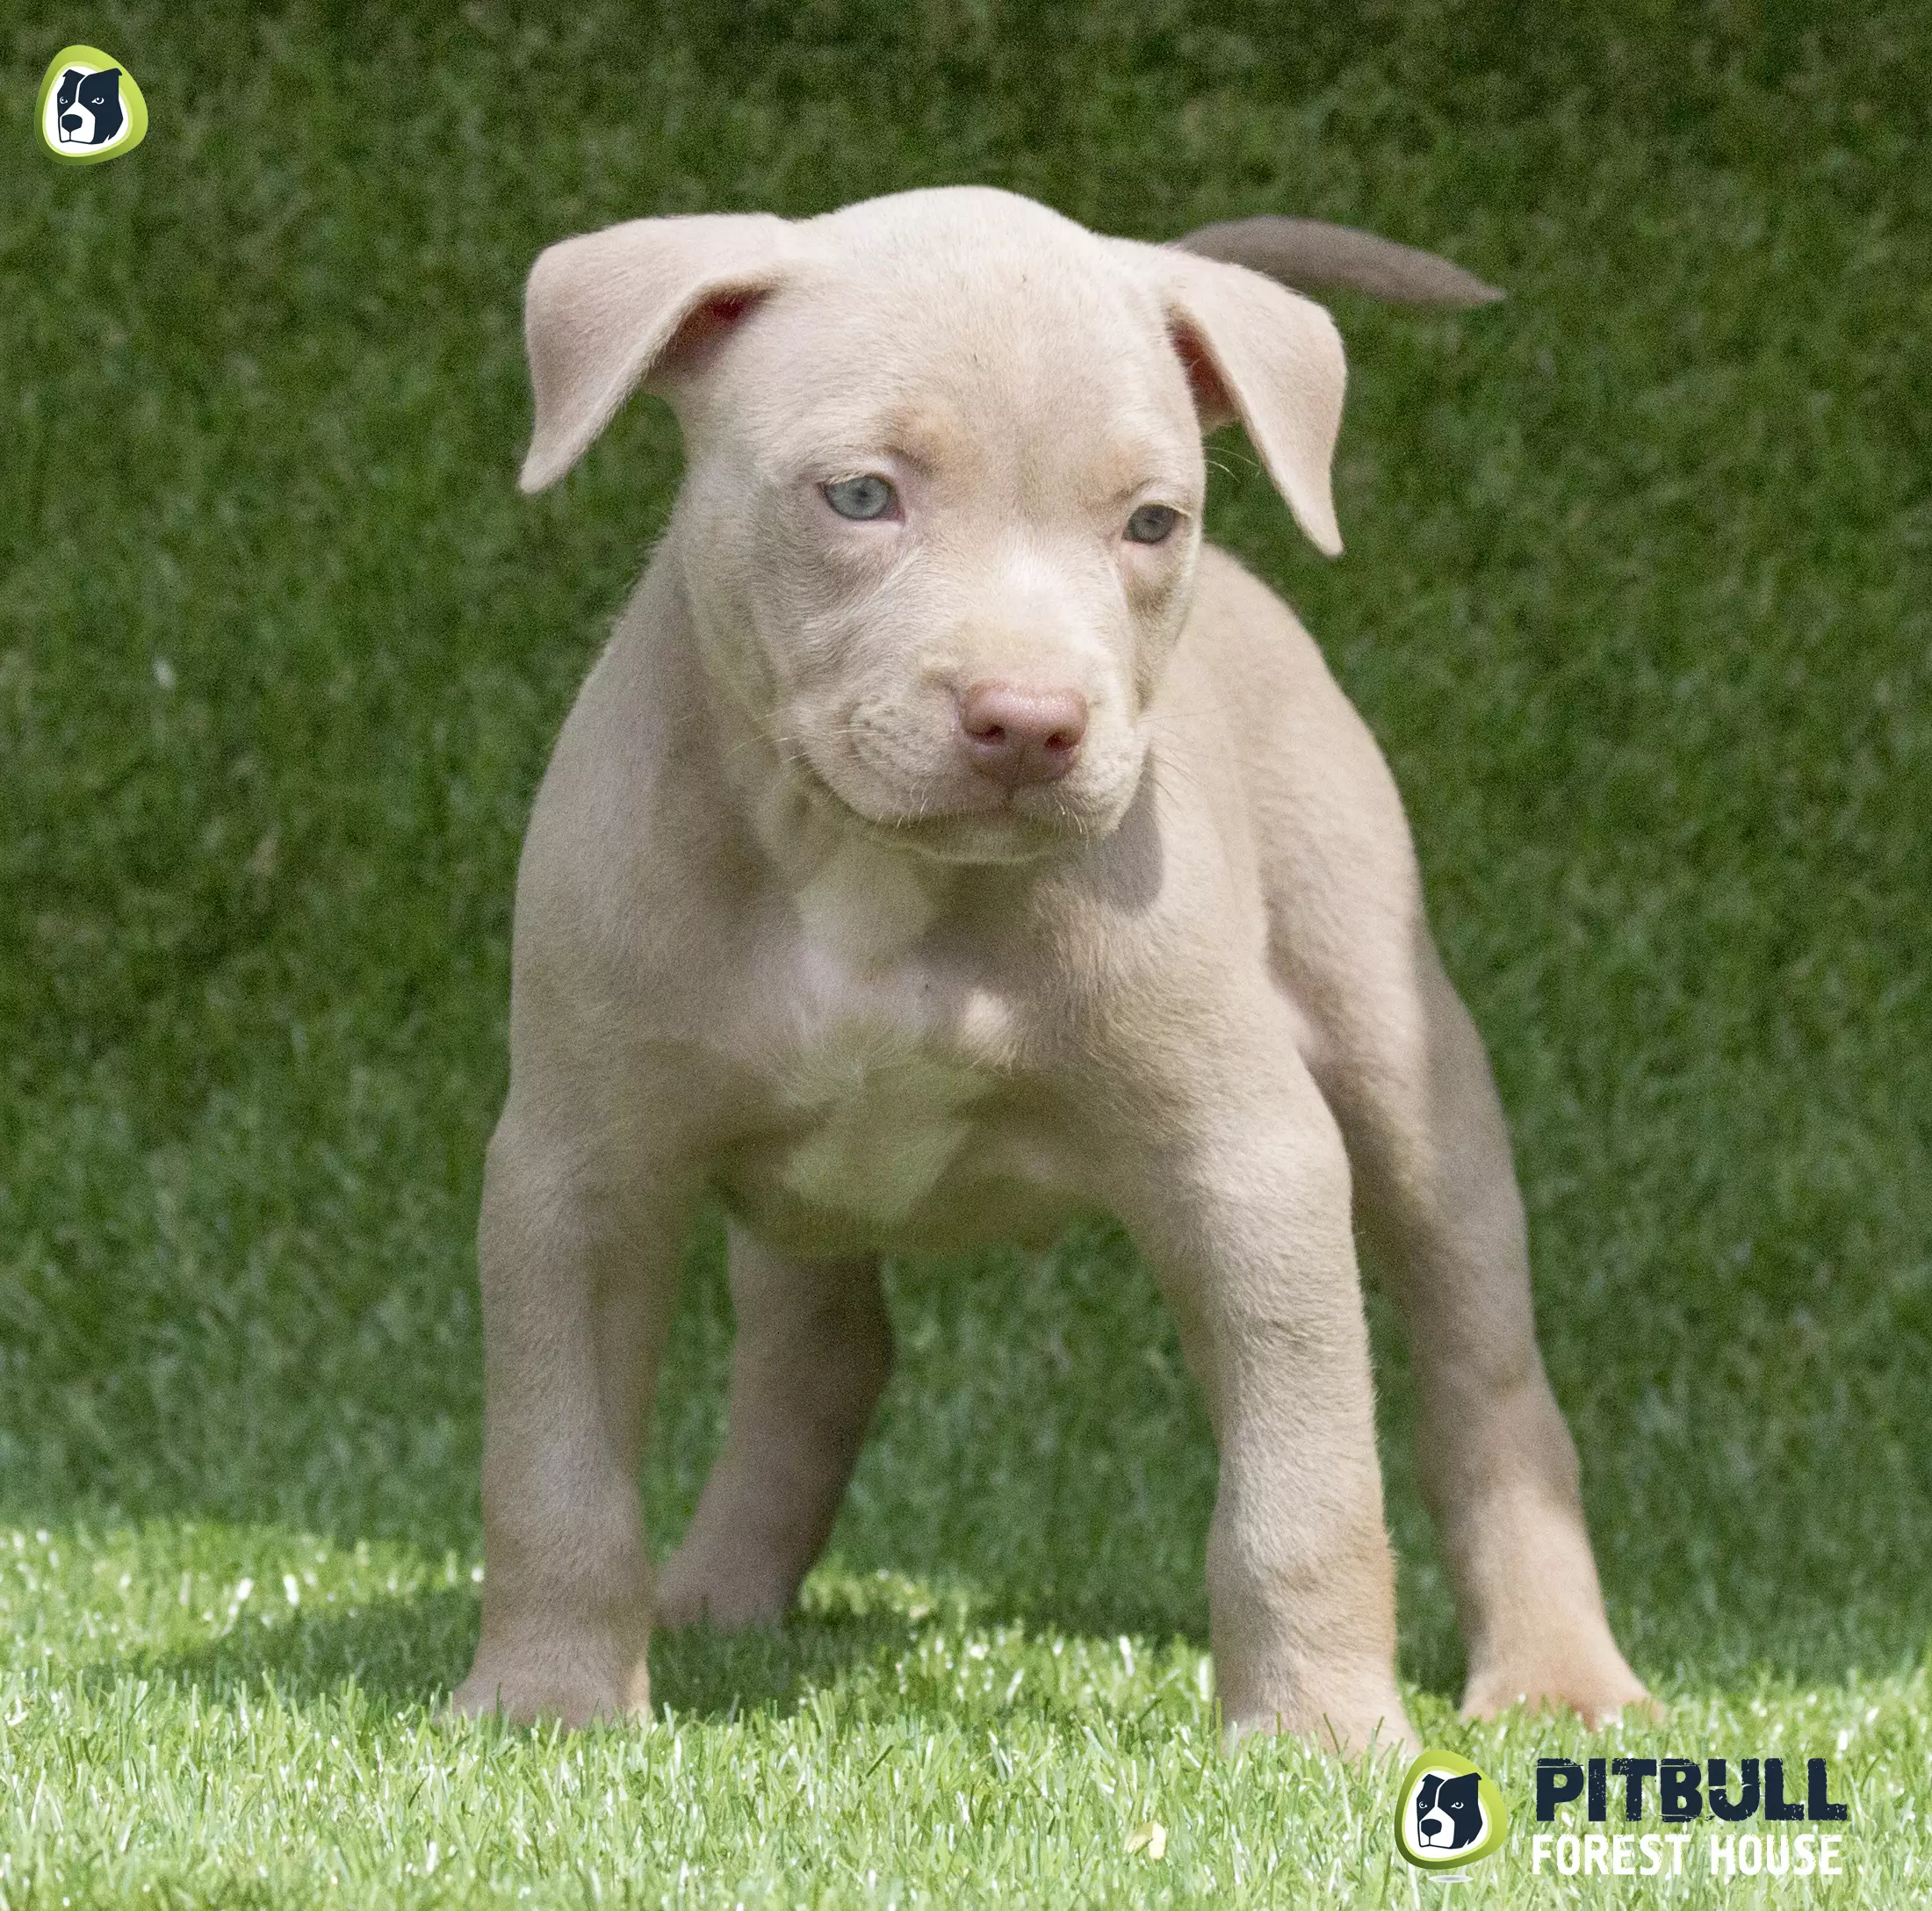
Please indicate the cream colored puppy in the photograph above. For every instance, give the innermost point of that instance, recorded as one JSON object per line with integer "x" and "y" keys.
{"x": 949, "y": 843}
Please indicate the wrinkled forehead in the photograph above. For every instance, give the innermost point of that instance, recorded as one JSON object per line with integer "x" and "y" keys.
{"x": 944, "y": 345}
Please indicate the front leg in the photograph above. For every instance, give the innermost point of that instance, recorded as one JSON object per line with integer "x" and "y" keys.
{"x": 1241, "y": 1204}
{"x": 579, "y": 1267}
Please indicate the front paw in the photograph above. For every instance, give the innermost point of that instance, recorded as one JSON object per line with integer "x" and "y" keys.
{"x": 1356, "y": 1718}
{"x": 1596, "y": 1685}
{"x": 556, "y": 1681}
{"x": 1390, "y": 1736}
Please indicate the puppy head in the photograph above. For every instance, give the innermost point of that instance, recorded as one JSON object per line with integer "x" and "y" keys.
{"x": 942, "y": 503}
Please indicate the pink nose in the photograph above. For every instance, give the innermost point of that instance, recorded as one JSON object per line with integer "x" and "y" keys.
{"x": 1018, "y": 735}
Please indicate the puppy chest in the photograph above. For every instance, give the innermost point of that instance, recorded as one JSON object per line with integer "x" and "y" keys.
{"x": 872, "y": 1120}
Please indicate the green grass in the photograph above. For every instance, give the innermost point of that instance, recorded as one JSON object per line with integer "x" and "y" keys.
{"x": 1636, "y": 597}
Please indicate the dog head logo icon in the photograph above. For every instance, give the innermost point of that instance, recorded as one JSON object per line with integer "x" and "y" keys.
{"x": 89, "y": 107}
{"x": 1449, "y": 1813}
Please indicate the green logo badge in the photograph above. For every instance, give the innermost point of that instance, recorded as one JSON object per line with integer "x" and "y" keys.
{"x": 1449, "y": 1814}
{"x": 89, "y": 108}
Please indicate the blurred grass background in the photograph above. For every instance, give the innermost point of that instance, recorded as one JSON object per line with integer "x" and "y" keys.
{"x": 1635, "y": 597}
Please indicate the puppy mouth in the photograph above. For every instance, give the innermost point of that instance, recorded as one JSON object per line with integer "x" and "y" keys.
{"x": 1018, "y": 825}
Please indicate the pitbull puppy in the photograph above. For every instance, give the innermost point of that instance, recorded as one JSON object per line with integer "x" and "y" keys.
{"x": 948, "y": 843}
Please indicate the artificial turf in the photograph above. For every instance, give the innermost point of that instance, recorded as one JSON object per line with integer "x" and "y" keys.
{"x": 1636, "y": 598}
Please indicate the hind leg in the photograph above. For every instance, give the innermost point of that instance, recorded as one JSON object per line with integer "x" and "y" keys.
{"x": 813, "y": 1350}
{"x": 1437, "y": 1192}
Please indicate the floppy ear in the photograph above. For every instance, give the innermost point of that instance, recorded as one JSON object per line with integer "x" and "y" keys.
{"x": 607, "y": 309}
{"x": 1255, "y": 351}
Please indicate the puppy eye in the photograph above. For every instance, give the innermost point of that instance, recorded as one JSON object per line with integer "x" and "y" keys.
{"x": 868, "y": 496}
{"x": 1152, "y": 523}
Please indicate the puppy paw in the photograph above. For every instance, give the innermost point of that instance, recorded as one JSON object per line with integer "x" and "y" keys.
{"x": 1372, "y": 1730}
{"x": 539, "y": 1688}
{"x": 1599, "y": 1691}
{"x": 693, "y": 1590}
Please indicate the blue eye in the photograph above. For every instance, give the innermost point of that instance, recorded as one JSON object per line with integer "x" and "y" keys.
{"x": 1152, "y": 523}
{"x": 866, "y": 496}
